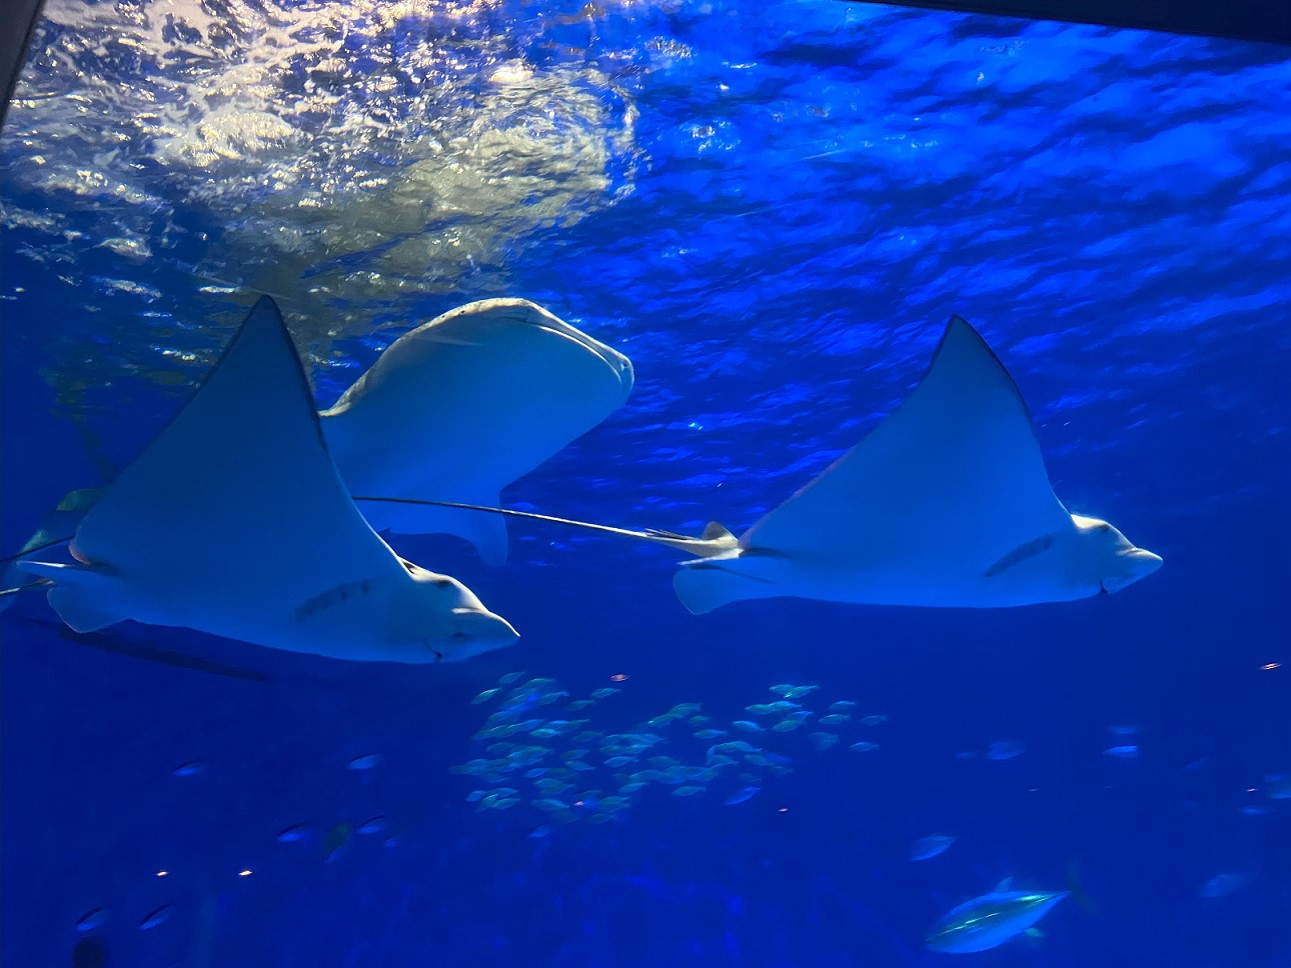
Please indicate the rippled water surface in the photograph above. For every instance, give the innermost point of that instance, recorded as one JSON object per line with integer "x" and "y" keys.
{"x": 772, "y": 208}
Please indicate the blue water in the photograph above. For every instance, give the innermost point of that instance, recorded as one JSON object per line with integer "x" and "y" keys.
{"x": 772, "y": 209}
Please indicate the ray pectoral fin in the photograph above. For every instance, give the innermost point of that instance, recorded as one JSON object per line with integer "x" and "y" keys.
{"x": 87, "y": 599}
{"x": 704, "y": 584}
{"x": 347, "y": 591}
{"x": 488, "y": 533}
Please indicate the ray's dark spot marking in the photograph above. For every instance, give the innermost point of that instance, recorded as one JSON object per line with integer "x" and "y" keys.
{"x": 1021, "y": 553}
{"x": 325, "y": 600}
{"x": 443, "y": 583}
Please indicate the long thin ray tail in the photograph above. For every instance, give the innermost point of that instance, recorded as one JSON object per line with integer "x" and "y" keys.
{"x": 1076, "y": 887}
{"x": 38, "y": 583}
{"x": 31, "y": 549}
{"x": 715, "y": 541}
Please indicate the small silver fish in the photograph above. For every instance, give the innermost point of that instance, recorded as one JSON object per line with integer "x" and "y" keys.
{"x": 823, "y": 741}
{"x": 510, "y": 677}
{"x": 786, "y": 691}
{"x": 92, "y": 919}
{"x": 1005, "y": 749}
{"x": 484, "y": 696}
{"x": 1129, "y": 752}
{"x": 740, "y": 796}
{"x": 835, "y": 719}
{"x": 748, "y": 726}
{"x": 864, "y": 746}
{"x": 191, "y": 768}
{"x": 294, "y": 834}
{"x": 539, "y": 832}
{"x": 733, "y": 746}
{"x": 1223, "y": 884}
{"x": 687, "y": 791}
{"x": 1278, "y": 786}
{"x": 875, "y": 720}
{"x": 605, "y": 693}
{"x": 537, "y": 684}
{"x": 373, "y": 825}
{"x": 928, "y": 847}
{"x": 841, "y": 706}
{"x": 549, "y": 804}
{"x": 707, "y": 734}
{"x": 158, "y": 916}
{"x": 990, "y": 920}
{"x": 364, "y": 762}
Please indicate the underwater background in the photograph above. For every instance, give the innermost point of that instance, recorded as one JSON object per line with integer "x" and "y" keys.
{"x": 771, "y": 208}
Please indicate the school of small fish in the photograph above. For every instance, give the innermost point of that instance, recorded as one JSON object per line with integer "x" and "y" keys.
{"x": 548, "y": 757}
{"x": 542, "y": 751}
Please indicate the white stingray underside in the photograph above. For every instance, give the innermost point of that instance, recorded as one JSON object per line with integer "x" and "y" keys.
{"x": 945, "y": 487}
{"x": 234, "y": 516}
{"x": 459, "y": 408}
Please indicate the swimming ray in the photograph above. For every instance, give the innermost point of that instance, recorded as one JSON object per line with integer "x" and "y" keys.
{"x": 460, "y": 407}
{"x": 455, "y": 410}
{"x": 946, "y": 503}
{"x": 235, "y": 521}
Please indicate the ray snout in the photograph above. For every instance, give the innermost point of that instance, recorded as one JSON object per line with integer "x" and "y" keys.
{"x": 1145, "y": 562}
{"x": 484, "y": 627}
{"x": 1133, "y": 564}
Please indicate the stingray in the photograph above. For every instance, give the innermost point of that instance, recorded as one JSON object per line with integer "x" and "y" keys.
{"x": 234, "y": 521}
{"x": 454, "y": 410}
{"x": 946, "y": 503}
{"x": 462, "y": 406}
